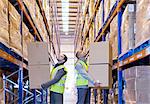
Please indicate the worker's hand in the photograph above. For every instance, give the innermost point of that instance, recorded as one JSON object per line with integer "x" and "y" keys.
{"x": 96, "y": 84}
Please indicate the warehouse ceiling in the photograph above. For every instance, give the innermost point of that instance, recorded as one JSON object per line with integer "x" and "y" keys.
{"x": 67, "y": 16}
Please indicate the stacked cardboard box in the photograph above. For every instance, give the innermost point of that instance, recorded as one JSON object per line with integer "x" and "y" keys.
{"x": 40, "y": 23}
{"x": 125, "y": 30}
{"x": 1, "y": 87}
{"x": 114, "y": 37}
{"x": 11, "y": 37}
{"x": 38, "y": 63}
{"x": 142, "y": 21}
{"x": 4, "y": 37}
{"x": 91, "y": 31}
{"x": 37, "y": 17}
{"x": 100, "y": 63}
{"x": 31, "y": 5}
{"x": 27, "y": 38}
{"x": 128, "y": 28}
{"x": 47, "y": 10}
{"x": 15, "y": 36}
{"x": 137, "y": 85}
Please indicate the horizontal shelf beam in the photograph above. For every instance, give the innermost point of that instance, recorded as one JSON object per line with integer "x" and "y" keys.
{"x": 135, "y": 57}
{"x": 29, "y": 19}
{"x": 11, "y": 59}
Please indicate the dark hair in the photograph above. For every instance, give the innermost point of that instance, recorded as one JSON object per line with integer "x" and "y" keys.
{"x": 65, "y": 57}
{"x": 77, "y": 54}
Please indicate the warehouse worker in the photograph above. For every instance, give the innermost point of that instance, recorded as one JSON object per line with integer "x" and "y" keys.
{"x": 57, "y": 82}
{"x": 83, "y": 78}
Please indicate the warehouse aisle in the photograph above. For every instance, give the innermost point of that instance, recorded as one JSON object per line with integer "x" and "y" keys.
{"x": 114, "y": 34}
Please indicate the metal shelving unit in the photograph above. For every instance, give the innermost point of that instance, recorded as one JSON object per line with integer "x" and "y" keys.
{"x": 140, "y": 52}
{"x": 11, "y": 61}
{"x": 44, "y": 16}
{"x": 29, "y": 19}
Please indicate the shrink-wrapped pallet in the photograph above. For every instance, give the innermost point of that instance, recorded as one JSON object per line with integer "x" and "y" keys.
{"x": 4, "y": 36}
{"x": 142, "y": 21}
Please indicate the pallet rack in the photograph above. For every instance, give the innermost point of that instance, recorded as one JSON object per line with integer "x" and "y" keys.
{"x": 11, "y": 60}
{"x": 130, "y": 58}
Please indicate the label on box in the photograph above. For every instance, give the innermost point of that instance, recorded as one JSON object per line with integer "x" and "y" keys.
{"x": 131, "y": 7}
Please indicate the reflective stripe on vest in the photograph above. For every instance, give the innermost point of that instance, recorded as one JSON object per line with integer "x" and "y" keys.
{"x": 60, "y": 85}
{"x": 80, "y": 80}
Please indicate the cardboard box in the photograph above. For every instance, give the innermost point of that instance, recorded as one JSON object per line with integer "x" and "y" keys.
{"x": 102, "y": 74}
{"x": 38, "y": 53}
{"x": 130, "y": 95}
{"x": 100, "y": 52}
{"x": 113, "y": 37}
{"x": 137, "y": 84}
{"x": 142, "y": 21}
{"x": 38, "y": 74}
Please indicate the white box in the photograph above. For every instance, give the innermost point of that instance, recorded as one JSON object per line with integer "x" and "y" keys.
{"x": 38, "y": 53}
{"x": 102, "y": 74}
{"x": 100, "y": 53}
{"x": 38, "y": 74}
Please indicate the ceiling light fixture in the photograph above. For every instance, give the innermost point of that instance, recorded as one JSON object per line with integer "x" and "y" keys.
{"x": 65, "y": 14}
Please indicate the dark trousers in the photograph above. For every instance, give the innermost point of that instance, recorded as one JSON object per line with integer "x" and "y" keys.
{"x": 56, "y": 98}
{"x": 83, "y": 96}
{"x": 95, "y": 96}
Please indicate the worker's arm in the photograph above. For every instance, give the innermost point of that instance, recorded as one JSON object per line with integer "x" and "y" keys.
{"x": 57, "y": 77}
{"x": 83, "y": 73}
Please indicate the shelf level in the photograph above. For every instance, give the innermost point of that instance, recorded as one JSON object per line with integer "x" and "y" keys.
{"x": 135, "y": 55}
{"x": 11, "y": 59}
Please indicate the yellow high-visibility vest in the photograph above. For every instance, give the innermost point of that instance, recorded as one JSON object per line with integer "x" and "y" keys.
{"x": 80, "y": 80}
{"x": 60, "y": 85}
